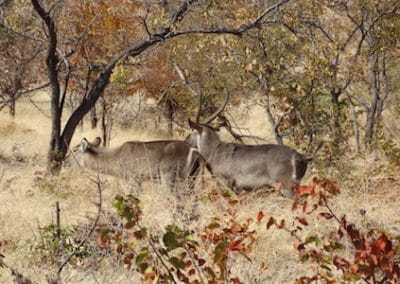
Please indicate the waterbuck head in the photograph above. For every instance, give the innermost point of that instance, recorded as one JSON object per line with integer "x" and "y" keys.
{"x": 204, "y": 137}
{"x": 81, "y": 154}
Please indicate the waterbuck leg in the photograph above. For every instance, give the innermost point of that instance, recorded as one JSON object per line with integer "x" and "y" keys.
{"x": 286, "y": 189}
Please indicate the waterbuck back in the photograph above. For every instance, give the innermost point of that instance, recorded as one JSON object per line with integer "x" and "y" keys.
{"x": 166, "y": 161}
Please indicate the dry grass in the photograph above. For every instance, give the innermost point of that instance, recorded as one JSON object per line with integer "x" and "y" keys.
{"x": 28, "y": 198}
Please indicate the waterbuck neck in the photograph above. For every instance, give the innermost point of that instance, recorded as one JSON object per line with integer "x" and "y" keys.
{"x": 107, "y": 161}
{"x": 208, "y": 142}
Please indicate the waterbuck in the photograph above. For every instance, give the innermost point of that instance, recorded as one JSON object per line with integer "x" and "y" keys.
{"x": 166, "y": 161}
{"x": 248, "y": 167}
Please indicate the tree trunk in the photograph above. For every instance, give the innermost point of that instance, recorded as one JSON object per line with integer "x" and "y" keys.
{"x": 170, "y": 116}
{"x": 93, "y": 117}
{"x": 375, "y": 98}
{"x": 55, "y": 154}
{"x": 275, "y": 123}
{"x": 12, "y": 104}
{"x": 355, "y": 127}
{"x": 13, "y": 90}
{"x": 105, "y": 125}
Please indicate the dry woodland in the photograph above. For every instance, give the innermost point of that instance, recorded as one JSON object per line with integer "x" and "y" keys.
{"x": 309, "y": 74}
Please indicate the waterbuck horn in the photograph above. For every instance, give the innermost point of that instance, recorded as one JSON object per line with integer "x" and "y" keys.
{"x": 219, "y": 110}
{"x": 194, "y": 125}
{"x": 200, "y": 102}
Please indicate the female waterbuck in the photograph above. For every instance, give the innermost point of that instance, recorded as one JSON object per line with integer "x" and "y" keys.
{"x": 166, "y": 161}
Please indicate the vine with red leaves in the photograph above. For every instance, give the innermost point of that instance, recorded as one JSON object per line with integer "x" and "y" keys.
{"x": 374, "y": 255}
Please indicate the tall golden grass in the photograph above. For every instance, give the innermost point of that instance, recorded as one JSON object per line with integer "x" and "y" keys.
{"x": 28, "y": 197}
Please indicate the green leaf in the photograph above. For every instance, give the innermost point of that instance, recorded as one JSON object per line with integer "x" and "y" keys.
{"x": 140, "y": 234}
{"x": 178, "y": 263}
{"x": 304, "y": 258}
{"x": 133, "y": 199}
{"x": 347, "y": 276}
{"x": 326, "y": 267}
{"x": 220, "y": 252}
{"x": 337, "y": 245}
{"x": 210, "y": 272}
{"x": 118, "y": 202}
{"x": 142, "y": 257}
{"x": 213, "y": 225}
{"x": 312, "y": 239}
{"x": 104, "y": 230}
{"x": 170, "y": 240}
{"x": 127, "y": 213}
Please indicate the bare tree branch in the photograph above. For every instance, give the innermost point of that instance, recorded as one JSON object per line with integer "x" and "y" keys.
{"x": 4, "y": 103}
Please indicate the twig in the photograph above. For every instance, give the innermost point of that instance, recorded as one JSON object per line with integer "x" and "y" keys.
{"x": 194, "y": 263}
{"x": 2, "y": 175}
{"x": 151, "y": 243}
{"x": 153, "y": 247}
{"x": 330, "y": 210}
{"x": 58, "y": 223}
{"x": 92, "y": 229}
{"x": 19, "y": 278}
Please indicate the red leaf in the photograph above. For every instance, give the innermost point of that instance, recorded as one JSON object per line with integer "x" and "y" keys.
{"x": 236, "y": 245}
{"x": 119, "y": 248}
{"x": 117, "y": 234}
{"x": 305, "y": 189}
{"x": 295, "y": 204}
{"x": 260, "y": 216}
{"x": 341, "y": 263}
{"x": 304, "y": 206}
{"x": 130, "y": 225}
{"x": 128, "y": 258}
{"x": 271, "y": 222}
{"x": 302, "y": 221}
{"x": 236, "y": 228}
{"x": 103, "y": 240}
{"x": 326, "y": 215}
{"x": 188, "y": 263}
{"x": 182, "y": 277}
{"x": 331, "y": 186}
{"x": 354, "y": 268}
{"x": 384, "y": 243}
{"x": 282, "y": 224}
{"x": 235, "y": 280}
{"x": 299, "y": 246}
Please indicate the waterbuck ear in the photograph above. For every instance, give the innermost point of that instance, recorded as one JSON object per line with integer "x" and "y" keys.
{"x": 84, "y": 145}
{"x": 194, "y": 125}
{"x": 97, "y": 142}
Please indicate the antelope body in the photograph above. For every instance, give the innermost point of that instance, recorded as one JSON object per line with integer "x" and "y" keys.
{"x": 241, "y": 166}
{"x": 166, "y": 161}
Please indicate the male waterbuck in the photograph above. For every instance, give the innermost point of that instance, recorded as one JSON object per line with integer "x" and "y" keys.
{"x": 166, "y": 161}
{"x": 247, "y": 167}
